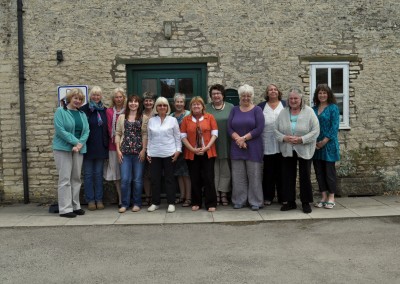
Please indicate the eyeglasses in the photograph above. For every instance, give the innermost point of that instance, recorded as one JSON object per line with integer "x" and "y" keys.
{"x": 216, "y": 93}
{"x": 162, "y": 105}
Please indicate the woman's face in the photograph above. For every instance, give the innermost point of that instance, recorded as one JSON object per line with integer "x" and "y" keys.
{"x": 179, "y": 104}
{"x": 162, "y": 109}
{"x": 323, "y": 96}
{"x": 75, "y": 103}
{"x": 148, "y": 104}
{"x": 245, "y": 99}
{"x": 133, "y": 105}
{"x": 272, "y": 92}
{"x": 216, "y": 97}
{"x": 197, "y": 108}
{"x": 118, "y": 100}
{"x": 96, "y": 98}
{"x": 294, "y": 101}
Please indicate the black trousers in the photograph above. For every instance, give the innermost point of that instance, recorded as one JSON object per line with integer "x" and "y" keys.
{"x": 326, "y": 175}
{"x": 157, "y": 167}
{"x": 289, "y": 176}
{"x": 272, "y": 180}
{"x": 201, "y": 171}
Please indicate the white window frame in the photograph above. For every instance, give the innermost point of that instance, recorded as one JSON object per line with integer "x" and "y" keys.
{"x": 344, "y": 124}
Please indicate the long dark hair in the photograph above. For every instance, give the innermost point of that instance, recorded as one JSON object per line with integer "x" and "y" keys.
{"x": 140, "y": 107}
{"x": 324, "y": 87}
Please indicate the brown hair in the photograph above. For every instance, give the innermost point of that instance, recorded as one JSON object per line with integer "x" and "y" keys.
{"x": 139, "y": 110}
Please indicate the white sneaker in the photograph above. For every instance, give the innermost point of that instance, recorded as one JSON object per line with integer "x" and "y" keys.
{"x": 152, "y": 208}
{"x": 171, "y": 208}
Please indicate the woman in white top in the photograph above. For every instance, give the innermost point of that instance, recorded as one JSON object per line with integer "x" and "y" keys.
{"x": 272, "y": 172}
{"x": 163, "y": 148}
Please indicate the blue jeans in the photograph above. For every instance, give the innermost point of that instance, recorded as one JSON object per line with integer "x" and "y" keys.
{"x": 93, "y": 179}
{"x": 131, "y": 168}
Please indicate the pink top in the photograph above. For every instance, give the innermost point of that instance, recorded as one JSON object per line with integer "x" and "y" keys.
{"x": 111, "y": 141}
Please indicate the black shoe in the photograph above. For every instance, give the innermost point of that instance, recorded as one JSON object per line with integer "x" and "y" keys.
{"x": 306, "y": 207}
{"x": 289, "y": 206}
{"x": 79, "y": 212}
{"x": 68, "y": 215}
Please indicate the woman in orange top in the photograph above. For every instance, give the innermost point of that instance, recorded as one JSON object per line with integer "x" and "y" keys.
{"x": 199, "y": 131}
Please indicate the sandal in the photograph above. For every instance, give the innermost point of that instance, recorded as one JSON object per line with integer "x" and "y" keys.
{"x": 179, "y": 200}
{"x": 320, "y": 204}
{"x": 329, "y": 205}
{"x": 224, "y": 200}
{"x": 267, "y": 202}
{"x": 195, "y": 207}
{"x": 218, "y": 199}
{"x": 187, "y": 203}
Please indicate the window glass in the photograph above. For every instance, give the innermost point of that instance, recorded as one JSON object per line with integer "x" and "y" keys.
{"x": 186, "y": 87}
{"x": 339, "y": 102}
{"x": 322, "y": 76}
{"x": 167, "y": 88}
{"x": 337, "y": 80}
{"x": 149, "y": 85}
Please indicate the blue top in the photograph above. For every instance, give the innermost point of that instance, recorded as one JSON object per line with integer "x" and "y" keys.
{"x": 329, "y": 128}
{"x": 242, "y": 123}
{"x": 64, "y": 135}
{"x": 97, "y": 143}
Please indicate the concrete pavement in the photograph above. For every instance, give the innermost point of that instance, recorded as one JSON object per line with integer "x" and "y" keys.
{"x": 35, "y": 215}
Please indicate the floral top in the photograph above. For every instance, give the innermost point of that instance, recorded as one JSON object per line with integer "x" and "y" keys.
{"x": 132, "y": 142}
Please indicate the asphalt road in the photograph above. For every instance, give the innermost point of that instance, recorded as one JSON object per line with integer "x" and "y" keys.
{"x": 317, "y": 251}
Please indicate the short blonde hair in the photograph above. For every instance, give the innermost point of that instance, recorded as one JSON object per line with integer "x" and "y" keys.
{"x": 161, "y": 101}
{"x": 115, "y": 92}
{"x": 246, "y": 89}
{"x": 74, "y": 92}
{"x": 95, "y": 90}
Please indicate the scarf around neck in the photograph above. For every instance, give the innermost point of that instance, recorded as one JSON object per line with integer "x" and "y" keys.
{"x": 97, "y": 106}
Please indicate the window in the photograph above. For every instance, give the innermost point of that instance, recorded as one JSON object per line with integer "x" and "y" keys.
{"x": 336, "y": 75}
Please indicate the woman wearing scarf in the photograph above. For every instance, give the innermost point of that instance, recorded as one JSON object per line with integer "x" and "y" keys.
{"x": 199, "y": 130}
{"x": 97, "y": 149}
{"x": 112, "y": 171}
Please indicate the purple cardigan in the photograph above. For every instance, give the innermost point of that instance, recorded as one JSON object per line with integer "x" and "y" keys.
{"x": 243, "y": 123}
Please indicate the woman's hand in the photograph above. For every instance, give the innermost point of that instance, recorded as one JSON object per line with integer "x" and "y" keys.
{"x": 120, "y": 156}
{"x": 175, "y": 156}
{"x": 142, "y": 155}
{"x": 149, "y": 159}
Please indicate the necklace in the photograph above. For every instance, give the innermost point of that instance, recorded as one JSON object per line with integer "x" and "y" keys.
{"x": 221, "y": 108}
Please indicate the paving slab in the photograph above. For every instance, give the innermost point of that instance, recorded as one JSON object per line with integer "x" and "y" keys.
{"x": 142, "y": 217}
{"x": 92, "y": 220}
{"x": 271, "y": 215}
{"x": 350, "y": 202}
{"x": 336, "y": 212}
{"x": 374, "y": 211}
{"x": 182, "y": 217}
{"x": 9, "y": 220}
{"x": 42, "y": 221}
{"x": 237, "y": 215}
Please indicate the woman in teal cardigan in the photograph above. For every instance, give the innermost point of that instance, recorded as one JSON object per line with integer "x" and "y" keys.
{"x": 327, "y": 147}
{"x": 69, "y": 144}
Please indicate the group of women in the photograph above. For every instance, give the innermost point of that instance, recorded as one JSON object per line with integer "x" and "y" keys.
{"x": 216, "y": 153}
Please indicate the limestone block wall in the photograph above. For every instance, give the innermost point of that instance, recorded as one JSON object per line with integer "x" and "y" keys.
{"x": 256, "y": 42}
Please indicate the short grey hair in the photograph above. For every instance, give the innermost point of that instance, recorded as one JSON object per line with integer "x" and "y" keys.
{"x": 297, "y": 91}
{"x": 246, "y": 89}
{"x": 179, "y": 96}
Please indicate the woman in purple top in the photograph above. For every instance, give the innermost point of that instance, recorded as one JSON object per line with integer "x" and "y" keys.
{"x": 245, "y": 126}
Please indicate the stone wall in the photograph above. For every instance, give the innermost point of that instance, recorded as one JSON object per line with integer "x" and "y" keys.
{"x": 256, "y": 42}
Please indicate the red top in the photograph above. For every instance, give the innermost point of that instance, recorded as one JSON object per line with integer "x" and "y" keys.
{"x": 207, "y": 124}
{"x": 111, "y": 141}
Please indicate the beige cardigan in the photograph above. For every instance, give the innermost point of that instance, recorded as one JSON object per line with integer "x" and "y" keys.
{"x": 119, "y": 131}
{"x": 307, "y": 128}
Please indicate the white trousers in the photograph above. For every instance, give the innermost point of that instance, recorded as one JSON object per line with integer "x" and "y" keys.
{"x": 69, "y": 167}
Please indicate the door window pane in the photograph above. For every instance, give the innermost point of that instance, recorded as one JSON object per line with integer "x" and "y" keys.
{"x": 321, "y": 76}
{"x": 149, "y": 85}
{"x": 167, "y": 88}
{"x": 337, "y": 80}
{"x": 186, "y": 87}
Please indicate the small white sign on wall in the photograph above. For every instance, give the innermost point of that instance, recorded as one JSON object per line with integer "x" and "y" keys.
{"x": 63, "y": 91}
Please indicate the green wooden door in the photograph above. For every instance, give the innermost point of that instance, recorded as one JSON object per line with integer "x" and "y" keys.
{"x": 167, "y": 79}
